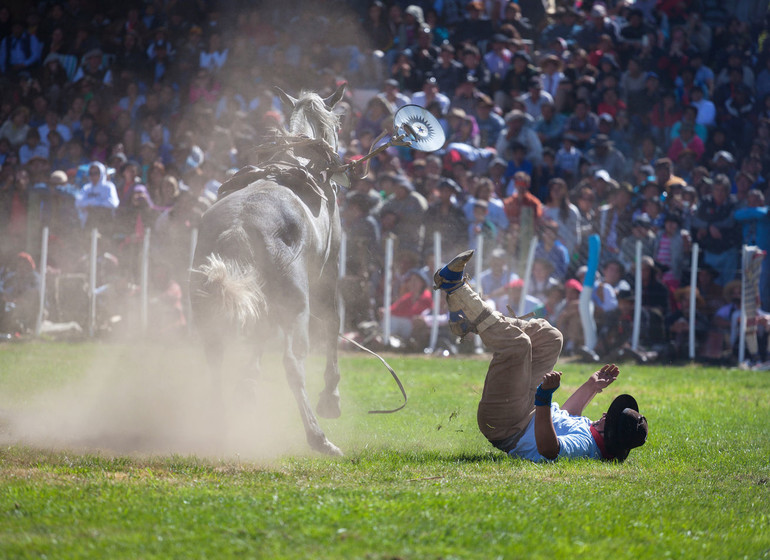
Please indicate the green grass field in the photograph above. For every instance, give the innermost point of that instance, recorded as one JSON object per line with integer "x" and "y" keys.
{"x": 418, "y": 484}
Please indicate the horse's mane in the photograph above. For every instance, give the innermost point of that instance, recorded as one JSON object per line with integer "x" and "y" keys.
{"x": 312, "y": 118}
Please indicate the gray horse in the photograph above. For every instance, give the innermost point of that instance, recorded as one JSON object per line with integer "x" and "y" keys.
{"x": 267, "y": 255}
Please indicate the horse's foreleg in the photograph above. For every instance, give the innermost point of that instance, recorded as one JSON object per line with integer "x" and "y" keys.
{"x": 329, "y": 399}
{"x": 296, "y": 352}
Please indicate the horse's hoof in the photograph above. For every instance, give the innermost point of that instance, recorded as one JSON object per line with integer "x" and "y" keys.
{"x": 328, "y": 448}
{"x": 329, "y": 406}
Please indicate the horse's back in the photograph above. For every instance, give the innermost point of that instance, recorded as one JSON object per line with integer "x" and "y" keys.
{"x": 269, "y": 219}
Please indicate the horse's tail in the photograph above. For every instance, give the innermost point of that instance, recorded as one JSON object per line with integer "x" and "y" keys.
{"x": 237, "y": 286}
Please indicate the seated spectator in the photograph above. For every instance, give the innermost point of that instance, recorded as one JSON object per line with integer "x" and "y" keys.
{"x": 415, "y": 299}
{"x": 614, "y": 337}
{"x": 19, "y": 294}
{"x": 542, "y": 279}
{"x": 496, "y": 276}
{"x": 512, "y": 298}
{"x": 32, "y": 147}
{"x": 583, "y": 123}
{"x": 519, "y": 133}
{"x": 491, "y": 125}
{"x": 517, "y": 162}
{"x": 655, "y": 295}
{"x": 549, "y": 126}
{"x": 535, "y": 98}
{"x": 605, "y": 293}
{"x": 16, "y": 126}
{"x": 568, "y": 156}
{"x": 678, "y": 325}
{"x": 605, "y": 156}
{"x": 568, "y": 321}
{"x": 430, "y": 93}
{"x": 686, "y": 141}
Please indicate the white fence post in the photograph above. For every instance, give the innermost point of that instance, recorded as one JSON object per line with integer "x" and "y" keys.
{"x": 436, "y": 294}
{"x": 145, "y": 281}
{"x": 92, "y": 283}
{"x": 478, "y": 269}
{"x": 527, "y": 277}
{"x": 387, "y": 296}
{"x": 343, "y": 260}
{"x": 637, "y": 297}
{"x": 693, "y": 288}
{"x": 43, "y": 267}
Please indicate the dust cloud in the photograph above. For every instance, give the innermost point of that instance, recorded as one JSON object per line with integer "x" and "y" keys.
{"x": 160, "y": 400}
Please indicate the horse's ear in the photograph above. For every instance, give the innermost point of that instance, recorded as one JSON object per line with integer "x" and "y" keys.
{"x": 335, "y": 97}
{"x": 286, "y": 98}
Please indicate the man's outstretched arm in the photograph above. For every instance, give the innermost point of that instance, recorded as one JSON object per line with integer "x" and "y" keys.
{"x": 599, "y": 380}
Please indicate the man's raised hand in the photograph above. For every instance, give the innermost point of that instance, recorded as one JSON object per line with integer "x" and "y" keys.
{"x": 602, "y": 378}
{"x": 552, "y": 380}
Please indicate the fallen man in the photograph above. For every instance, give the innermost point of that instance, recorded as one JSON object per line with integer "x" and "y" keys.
{"x": 515, "y": 412}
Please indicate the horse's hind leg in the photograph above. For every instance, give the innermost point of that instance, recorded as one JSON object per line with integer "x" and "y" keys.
{"x": 297, "y": 348}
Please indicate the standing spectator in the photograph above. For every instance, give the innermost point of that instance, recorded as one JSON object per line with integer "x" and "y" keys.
{"x": 641, "y": 230}
{"x": 98, "y": 199}
{"x": 363, "y": 258}
{"x": 430, "y": 93}
{"x": 491, "y": 125}
{"x": 716, "y": 231}
{"x": 755, "y": 219}
{"x": 615, "y": 219}
{"x": 516, "y": 79}
{"x": 214, "y": 56}
{"x": 669, "y": 250}
{"x": 409, "y": 207}
{"x": 551, "y": 250}
{"x": 521, "y": 197}
{"x": 447, "y": 70}
{"x": 561, "y": 211}
{"x": 19, "y": 51}
{"x": 447, "y": 217}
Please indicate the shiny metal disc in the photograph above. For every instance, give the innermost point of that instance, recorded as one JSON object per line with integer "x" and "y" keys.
{"x": 422, "y": 130}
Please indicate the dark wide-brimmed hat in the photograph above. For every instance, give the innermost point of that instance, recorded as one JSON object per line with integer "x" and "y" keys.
{"x": 624, "y": 428}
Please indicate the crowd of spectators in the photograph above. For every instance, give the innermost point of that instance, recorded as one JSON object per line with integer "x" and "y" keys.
{"x": 639, "y": 121}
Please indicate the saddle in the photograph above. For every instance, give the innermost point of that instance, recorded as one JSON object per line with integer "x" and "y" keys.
{"x": 286, "y": 167}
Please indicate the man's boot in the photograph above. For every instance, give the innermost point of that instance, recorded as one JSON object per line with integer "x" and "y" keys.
{"x": 467, "y": 311}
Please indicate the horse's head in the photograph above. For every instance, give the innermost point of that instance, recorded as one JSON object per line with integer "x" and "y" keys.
{"x": 313, "y": 116}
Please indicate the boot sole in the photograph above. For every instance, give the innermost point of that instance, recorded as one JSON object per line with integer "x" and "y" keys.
{"x": 457, "y": 264}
